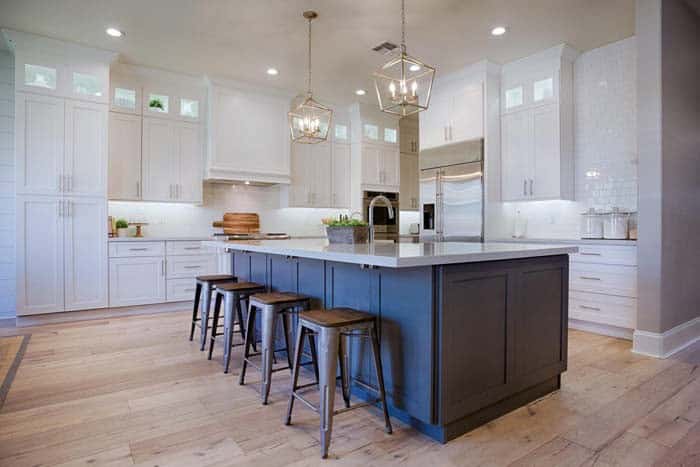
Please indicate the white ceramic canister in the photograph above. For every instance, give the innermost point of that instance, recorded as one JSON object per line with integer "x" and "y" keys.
{"x": 591, "y": 224}
{"x": 616, "y": 225}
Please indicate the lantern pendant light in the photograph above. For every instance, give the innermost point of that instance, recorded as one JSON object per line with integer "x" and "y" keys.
{"x": 309, "y": 120}
{"x": 404, "y": 83}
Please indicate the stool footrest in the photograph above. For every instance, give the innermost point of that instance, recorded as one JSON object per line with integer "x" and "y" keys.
{"x": 305, "y": 401}
{"x": 356, "y": 406}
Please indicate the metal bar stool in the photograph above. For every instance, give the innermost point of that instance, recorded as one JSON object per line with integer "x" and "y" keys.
{"x": 232, "y": 294}
{"x": 270, "y": 306}
{"x": 205, "y": 285}
{"x": 333, "y": 327}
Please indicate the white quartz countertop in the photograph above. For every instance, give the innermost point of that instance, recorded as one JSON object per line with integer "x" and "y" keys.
{"x": 395, "y": 255}
{"x": 160, "y": 239}
{"x": 567, "y": 241}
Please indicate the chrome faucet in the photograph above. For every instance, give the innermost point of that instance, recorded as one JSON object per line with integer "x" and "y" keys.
{"x": 386, "y": 201}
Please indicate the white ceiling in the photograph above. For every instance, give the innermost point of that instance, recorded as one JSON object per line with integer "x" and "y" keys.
{"x": 241, "y": 39}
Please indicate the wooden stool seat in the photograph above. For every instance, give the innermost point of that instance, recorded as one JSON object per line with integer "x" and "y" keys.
{"x": 336, "y": 317}
{"x": 216, "y": 278}
{"x": 276, "y": 298}
{"x": 239, "y": 287}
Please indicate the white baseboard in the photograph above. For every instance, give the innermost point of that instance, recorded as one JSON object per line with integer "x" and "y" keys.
{"x": 665, "y": 344}
{"x": 604, "y": 329}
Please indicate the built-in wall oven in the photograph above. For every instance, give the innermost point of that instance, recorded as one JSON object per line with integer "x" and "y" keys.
{"x": 385, "y": 228}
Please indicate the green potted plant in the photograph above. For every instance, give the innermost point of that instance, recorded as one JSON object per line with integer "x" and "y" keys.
{"x": 346, "y": 230}
{"x": 122, "y": 228}
{"x": 155, "y": 104}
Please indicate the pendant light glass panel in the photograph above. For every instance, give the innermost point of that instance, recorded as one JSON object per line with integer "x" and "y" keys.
{"x": 309, "y": 120}
{"x": 403, "y": 85}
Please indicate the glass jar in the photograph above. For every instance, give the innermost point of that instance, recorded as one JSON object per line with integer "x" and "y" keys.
{"x": 615, "y": 226}
{"x": 591, "y": 224}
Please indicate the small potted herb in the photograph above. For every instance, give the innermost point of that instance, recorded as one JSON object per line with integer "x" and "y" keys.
{"x": 346, "y": 230}
{"x": 155, "y": 104}
{"x": 122, "y": 228}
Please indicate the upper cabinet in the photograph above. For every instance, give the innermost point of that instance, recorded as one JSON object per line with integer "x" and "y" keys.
{"x": 248, "y": 135}
{"x": 124, "y": 157}
{"x": 456, "y": 114}
{"x": 537, "y": 126}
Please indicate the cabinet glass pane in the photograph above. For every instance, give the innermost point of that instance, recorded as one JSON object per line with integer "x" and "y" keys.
{"x": 543, "y": 89}
{"x": 158, "y": 103}
{"x": 514, "y": 97}
{"x": 39, "y": 76}
{"x": 370, "y": 131}
{"x": 341, "y": 132}
{"x": 87, "y": 84}
{"x": 125, "y": 98}
{"x": 189, "y": 108}
{"x": 390, "y": 135}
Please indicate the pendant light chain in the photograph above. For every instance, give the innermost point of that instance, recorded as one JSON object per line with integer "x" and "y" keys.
{"x": 309, "y": 64}
{"x": 403, "y": 26}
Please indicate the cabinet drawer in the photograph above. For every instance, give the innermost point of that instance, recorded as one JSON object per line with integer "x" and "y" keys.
{"x": 128, "y": 249}
{"x": 181, "y": 267}
{"x": 604, "y": 279}
{"x": 603, "y": 309}
{"x": 178, "y": 290}
{"x": 181, "y": 247}
{"x": 602, "y": 254}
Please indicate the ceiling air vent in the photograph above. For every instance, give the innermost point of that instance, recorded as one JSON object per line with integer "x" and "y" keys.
{"x": 385, "y": 47}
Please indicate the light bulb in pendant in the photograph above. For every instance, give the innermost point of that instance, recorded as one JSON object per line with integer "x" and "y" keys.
{"x": 392, "y": 90}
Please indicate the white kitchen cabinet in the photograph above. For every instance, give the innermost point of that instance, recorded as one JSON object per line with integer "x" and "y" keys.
{"x": 371, "y": 165}
{"x": 381, "y": 167}
{"x": 456, "y": 114}
{"x": 85, "y": 253}
{"x": 40, "y": 143}
{"x": 340, "y": 176}
{"x": 136, "y": 281}
{"x": 321, "y": 183}
{"x": 311, "y": 175}
{"x": 434, "y": 121}
{"x": 409, "y": 193}
{"x": 516, "y": 155}
{"x": 189, "y": 159}
{"x": 125, "y": 96}
{"x": 182, "y": 267}
{"x": 124, "y": 156}
{"x": 390, "y": 167}
{"x": 85, "y": 155}
{"x": 180, "y": 290}
{"x": 39, "y": 255}
{"x": 159, "y": 161}
{"x": 248, "y": 136}
{"x": 408, "y": 135}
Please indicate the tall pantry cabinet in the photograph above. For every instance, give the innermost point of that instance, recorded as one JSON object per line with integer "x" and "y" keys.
{"x": 61, "y": 130}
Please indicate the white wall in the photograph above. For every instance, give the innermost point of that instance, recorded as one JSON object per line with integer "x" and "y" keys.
{"x": 7, "y": 186}
{"x": 606, "y": 160}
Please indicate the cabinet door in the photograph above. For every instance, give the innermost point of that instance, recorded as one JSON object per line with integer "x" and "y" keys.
{"x": 390, "y": 172}
{"x": 189, "y": 146}
{"x": 160, "y": 165}
{"x": 136, "y": 281}
{"x": 39, "y": 137}
{"x": 85, "y": 252}
{"x": 39, "y": 255}
{"x": 85, "y": 163}
{"x": 546, "y": 170}
{"x": 434, "y": 122}
{"x": 301, "y": 177}
{"x": 124, "y": 156}
{"x": 516, "y": 155}
{"x": 467, "y": 114}
{"x": 371, "y": 156}
{"x": 321, "y": 156}
{"x": 408, "y": 198}
{"x": 340, "y": 177}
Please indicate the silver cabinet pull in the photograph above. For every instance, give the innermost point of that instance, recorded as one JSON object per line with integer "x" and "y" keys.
{"x": 70, "y": 208}
{"x": 70, "y": 183}
{"x": 530, "y": 187}
{"x": 193, "y": 248}
{"x": 60, "y": 183}
{"x": 585, "y": 253}
{"x": 59, "y": 206}
{"x": 188, "y": 290}
{"x": 445, "y": 130}
{"x": 590, "y": 278}
{"x": 192, "y": 267}
{"x": 524, "y": 187}
{"x": 138, "y": 189}
{"x": 179, "y": 190}
{"x": 585, "y": 307}
{"x": 138, "y": 249}
{"x": 450, "y": 132}
{"x": 162, "y": 267}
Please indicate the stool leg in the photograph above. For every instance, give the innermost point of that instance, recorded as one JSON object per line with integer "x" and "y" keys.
{"x": 298, "y": 349}
{"x": 239, "y": 316}
{"x": 249, "y": 336}
{"x": 380, "y": 376}
{"x": 314, "y": 354}
{"x": 328, "y": 359}
{"x": 269, "y": 319}
{"x": 344, "y": 360}
{"x": 195, "y": 309}
{"x": 206, "y": 303}
{"x": 230, "y": 303}
{"x": 286, "y": 317}
{"x": 214, "y": 324}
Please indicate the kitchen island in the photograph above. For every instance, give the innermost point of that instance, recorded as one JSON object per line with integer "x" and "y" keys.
{"x": 468, "y": 331}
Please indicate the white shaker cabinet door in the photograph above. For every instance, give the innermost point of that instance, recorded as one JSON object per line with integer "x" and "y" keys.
{"x": 321, "y": 170}
{"x": 467, "y": 114}
{"x": 39, "y": 140}
{"x": 434, "y": 122}
{"x": 85, "y": 165}
{"x": 85, "y": 249}
{"x": 189, "y": 149}
{"x": 390, "y": 169}
{"x": 546, "y": 173}
{"x": 300, "y": 187}
{"x": 40, "y": 255}
{"x": 340, "y": 176}
{"x": 160, "y": 165}
{"x": 516, "y": 154}
{"x": 136, "y": 281}
{"x": 124, "y": 156}
{"x": 371, "y": 156}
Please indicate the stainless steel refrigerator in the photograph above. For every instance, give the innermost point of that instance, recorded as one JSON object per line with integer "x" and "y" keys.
{"x": 452, "y": 192}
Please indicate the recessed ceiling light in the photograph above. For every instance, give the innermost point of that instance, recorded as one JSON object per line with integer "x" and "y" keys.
{"x": 414, "y": 67}
{"x": 114, "y": 32}
{"x": 360, "y": 92}
{"x": 498, "y": 31}
{"x": 273, "y": 71}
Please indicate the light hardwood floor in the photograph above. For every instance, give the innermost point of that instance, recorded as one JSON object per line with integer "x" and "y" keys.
{"x": 135, "y": 391}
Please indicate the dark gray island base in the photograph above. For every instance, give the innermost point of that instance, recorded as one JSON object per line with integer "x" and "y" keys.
{"x": 461, "y": 344}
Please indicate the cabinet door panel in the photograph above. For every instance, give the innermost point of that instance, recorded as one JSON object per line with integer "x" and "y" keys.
{"x": 160, "y": 173}
{"x": 340, "y": 183}
{"x": 321, "y": 155}
{"x": 136, "y": 281}
{"x": 86, "y": 148}
{"x": 301, "y": 176}
{"x": 546, "y": 172}
{"x": 85, "y": 240}
{"x": 390, "y": 166}
{"x": 39, "y": 137}
{"x": 409, "y": 182}
{"x": 39, "y": 255}
{"x": 371, "y": 156}
{"x": 516, "y": 155}
{"x": 434, "y": 122}
{"x": 124, "y": 156}
{"x": 467, "y": 114}
{"x": 190, "y": 162}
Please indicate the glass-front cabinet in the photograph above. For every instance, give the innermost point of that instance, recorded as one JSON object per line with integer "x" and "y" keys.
{"x": 530, "y": 91}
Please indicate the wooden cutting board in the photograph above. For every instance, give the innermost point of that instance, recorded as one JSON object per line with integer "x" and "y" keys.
{"x": 239, "y": 223}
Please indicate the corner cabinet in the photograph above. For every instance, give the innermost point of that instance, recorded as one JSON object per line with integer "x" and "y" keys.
{"x": 537, "y": 142}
